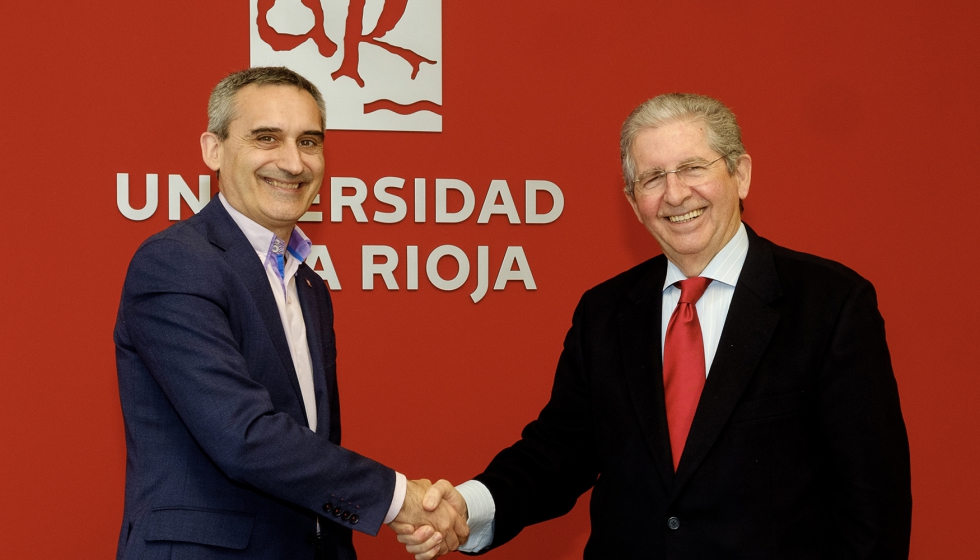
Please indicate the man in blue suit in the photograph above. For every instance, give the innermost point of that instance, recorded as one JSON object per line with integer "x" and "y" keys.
{"x": 226, "y": 360}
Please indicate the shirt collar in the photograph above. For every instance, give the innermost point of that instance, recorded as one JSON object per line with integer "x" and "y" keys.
{"x": 724, "y": 267}
{"x": 262, "y": 240}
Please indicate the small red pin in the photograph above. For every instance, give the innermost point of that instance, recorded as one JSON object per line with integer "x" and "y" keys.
{"x": 308, "y": 283}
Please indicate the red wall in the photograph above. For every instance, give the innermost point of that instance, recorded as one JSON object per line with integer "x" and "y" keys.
{"x": 861, "y": 119}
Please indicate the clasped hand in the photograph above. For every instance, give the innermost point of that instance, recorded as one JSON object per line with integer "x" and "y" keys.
{"x": 432, "y": 521}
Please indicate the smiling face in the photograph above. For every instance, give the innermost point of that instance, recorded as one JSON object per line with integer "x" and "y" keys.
{"x": 271, "y": 164}
{"x": 691, "y": 224}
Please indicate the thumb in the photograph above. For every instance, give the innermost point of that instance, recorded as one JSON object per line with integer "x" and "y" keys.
{"x": 455, "y": 499}
{"x": 433, "y": 497}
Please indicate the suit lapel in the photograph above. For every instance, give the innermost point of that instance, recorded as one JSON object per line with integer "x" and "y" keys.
{"x": 748, "y": 328}
{"x": 223, "y": 232}
{"x": 314, "y": 339}
{"x": 639, "y": 333}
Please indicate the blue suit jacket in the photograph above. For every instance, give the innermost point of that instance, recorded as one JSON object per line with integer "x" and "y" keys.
{"x": 220, "y": 460}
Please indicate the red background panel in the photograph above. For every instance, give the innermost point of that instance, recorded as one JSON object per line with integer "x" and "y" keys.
{"x": 861, "y": 119}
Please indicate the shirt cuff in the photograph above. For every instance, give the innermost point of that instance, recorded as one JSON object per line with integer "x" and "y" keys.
{"x": 398, "y": 498}
{"x": 481, "y": 509}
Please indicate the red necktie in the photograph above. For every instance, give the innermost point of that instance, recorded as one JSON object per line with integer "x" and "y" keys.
{"x": 683, "y": 364}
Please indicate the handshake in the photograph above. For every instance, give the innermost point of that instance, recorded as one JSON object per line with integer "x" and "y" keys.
{"x": 432, "y": 521}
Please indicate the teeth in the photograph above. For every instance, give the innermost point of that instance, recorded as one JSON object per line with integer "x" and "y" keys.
{"x": 282, "y": 185}
{"x": 689, "y": 216}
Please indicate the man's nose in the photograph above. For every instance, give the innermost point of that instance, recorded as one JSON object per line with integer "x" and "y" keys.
{"x": 675, "y": 191}
{"x": 289, "y": 159}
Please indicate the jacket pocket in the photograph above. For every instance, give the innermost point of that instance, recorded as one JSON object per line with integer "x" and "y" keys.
{"x": 228, "y": 529}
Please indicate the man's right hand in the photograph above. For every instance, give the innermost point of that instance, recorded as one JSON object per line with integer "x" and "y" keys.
{"x": 425, "y": 541}
{"x": 428, "y": 525}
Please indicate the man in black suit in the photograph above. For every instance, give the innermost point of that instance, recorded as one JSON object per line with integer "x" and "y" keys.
{"x": 793, "y": 446}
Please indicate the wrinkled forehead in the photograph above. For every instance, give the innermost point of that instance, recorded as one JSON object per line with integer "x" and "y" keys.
{"x": 268, "y": 104}
{"x": 673, "y": 142}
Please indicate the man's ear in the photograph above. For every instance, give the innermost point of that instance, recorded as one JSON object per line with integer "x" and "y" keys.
{"x": 210, "y": 150}
{"x": 743, "y": 175}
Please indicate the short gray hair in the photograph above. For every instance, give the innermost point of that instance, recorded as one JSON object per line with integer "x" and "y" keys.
{"x": 723, "y": 133}
{"x": 221, "y": 105}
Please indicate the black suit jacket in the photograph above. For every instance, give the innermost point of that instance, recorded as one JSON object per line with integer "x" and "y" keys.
{"x": 220, "y": 462}
{"x": 797, "y": 449}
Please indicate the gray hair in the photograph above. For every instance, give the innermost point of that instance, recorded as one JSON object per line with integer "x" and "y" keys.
{"x": 221, "y": 105}
{"x": 723, "y": 134}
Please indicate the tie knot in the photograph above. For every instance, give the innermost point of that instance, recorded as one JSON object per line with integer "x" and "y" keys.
{"x": 692, "y": 289}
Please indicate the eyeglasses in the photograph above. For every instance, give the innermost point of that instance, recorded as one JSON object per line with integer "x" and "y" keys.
{"x": 691, "y": 174}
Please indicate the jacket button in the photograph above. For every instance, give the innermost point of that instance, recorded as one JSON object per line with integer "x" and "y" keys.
{"x": 673, "y": 524}
{"x": 353, "y": 519}
{"x": 345, "y": 515}
{"x": 327, "y": 507}
{"x": 336, "y": 511}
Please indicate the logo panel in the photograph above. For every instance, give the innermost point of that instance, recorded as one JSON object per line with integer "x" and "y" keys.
{"x": 378, "y": 63}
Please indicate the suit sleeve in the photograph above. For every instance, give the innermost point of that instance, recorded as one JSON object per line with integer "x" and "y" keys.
{"x": 863, "y": 433}
{"x": 542, "y": 475}
{"x": 177, "y": 321}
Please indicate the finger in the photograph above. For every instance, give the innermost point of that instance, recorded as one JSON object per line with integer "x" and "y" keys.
{"x": 450, "y": 539}
{"x": 440, "y": 551}
{"x": 434, "y": 552}
{"x": 402, "y": 528}
{"x": 430, "y": 545}
{"x": 462, "y": 530}
{"x": 417, "y": 537}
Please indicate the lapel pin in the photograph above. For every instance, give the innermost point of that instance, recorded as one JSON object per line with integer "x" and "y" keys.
{"x": 308, "y": 283}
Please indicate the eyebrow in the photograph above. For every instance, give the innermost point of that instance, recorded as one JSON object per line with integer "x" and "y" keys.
{"x": 688, "y": 161}
{"x": 276, "y": 130}
{"x": 263, "y": 130}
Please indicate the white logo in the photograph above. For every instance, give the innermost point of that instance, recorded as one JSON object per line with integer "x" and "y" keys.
{"x": 378, "y": 63}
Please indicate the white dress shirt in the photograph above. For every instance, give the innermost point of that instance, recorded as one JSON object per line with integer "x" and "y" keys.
{"x": 291, "y": 315}
{"x": 724, "y": 270}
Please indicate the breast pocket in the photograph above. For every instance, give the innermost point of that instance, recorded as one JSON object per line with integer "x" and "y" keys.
{"x": 769, "y": 407}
